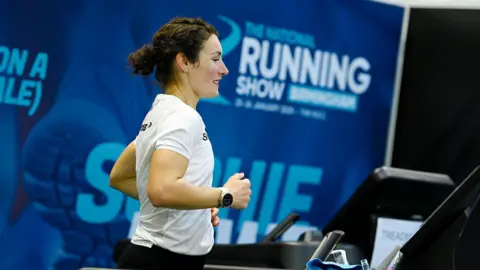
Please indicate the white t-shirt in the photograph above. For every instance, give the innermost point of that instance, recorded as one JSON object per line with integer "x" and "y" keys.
{"x": 173, "y": 125}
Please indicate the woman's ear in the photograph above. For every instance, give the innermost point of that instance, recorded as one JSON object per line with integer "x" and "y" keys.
{"x": 182, "y": 62}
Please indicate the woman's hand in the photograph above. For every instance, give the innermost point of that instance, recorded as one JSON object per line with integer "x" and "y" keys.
{"x": 215, "y": 218}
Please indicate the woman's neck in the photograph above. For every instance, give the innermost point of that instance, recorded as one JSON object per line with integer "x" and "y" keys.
{"x": 184, "y": 94}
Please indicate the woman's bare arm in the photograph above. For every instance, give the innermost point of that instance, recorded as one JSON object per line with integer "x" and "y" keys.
{"x": 123, "y": 176}
{"x": 166, "y": 187}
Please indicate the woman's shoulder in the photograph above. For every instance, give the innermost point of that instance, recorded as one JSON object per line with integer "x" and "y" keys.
{"x": 179, "y": 118}
{"x": 170, "y": 113}
{"x": 185, "y": 114}
{"x": 170, "y": 107}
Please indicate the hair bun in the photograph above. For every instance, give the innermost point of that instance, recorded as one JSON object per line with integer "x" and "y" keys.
{"x": 143, "y": 60}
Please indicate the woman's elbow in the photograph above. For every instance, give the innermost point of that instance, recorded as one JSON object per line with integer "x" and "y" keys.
{"x": 113, "y": 181}
{"x": 158, "y": 197}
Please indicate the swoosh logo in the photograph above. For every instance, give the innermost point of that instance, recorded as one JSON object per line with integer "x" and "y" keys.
{"x": 229, "y": 43}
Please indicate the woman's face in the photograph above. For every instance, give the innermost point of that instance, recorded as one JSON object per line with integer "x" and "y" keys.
{"x": 205, "y": 76}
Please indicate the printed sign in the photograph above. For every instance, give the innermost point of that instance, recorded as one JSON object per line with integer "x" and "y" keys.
{"x": 391, "y": 233}
{"x": 304, "y": 112}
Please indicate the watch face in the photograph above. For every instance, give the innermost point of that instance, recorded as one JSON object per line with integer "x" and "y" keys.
{"x": 227, "y": 200}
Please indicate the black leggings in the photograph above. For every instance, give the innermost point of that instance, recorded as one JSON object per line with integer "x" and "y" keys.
{"x": 155, "y": 258}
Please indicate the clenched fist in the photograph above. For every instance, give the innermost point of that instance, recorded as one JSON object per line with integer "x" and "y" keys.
{"x": 239, "y": 187}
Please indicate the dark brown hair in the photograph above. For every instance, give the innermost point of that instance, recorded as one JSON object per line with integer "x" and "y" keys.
{"x": 185, "y": 35}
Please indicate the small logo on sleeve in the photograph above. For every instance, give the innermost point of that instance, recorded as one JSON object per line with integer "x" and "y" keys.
{"x": 205, "y": 136}
{"x": 145, "y": 126}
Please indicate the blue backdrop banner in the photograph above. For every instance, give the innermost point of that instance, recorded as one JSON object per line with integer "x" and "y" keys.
{"x": 304, "y": 113}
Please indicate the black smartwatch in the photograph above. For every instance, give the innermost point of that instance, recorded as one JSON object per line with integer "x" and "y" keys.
{"x": 226, "y": 198}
